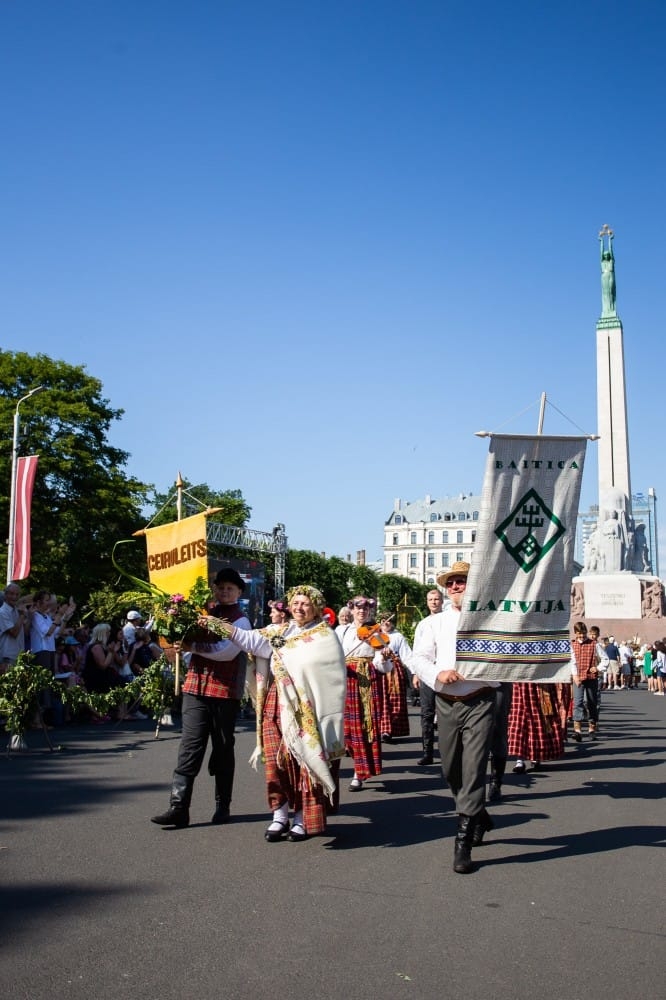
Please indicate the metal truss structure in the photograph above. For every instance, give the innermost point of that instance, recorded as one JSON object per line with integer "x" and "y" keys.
{"x": 266, "y": 543}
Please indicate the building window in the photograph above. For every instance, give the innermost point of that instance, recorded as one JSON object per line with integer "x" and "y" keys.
{"x": 397, "y": 519}
{"x": 475, "y": 515}
{"x": 460, "y": 556}
{"x": 473, "y": 537}
{"x": 445, "y": 538}
{"x": 434, "y": 517}
{"x": 395, "y": 539}
{"x": 431, "y": 559}
{"x": 412, "y": 538}
{"x": 431, "y": 538}
{"x": 431, "y": 579}
{"x": 395, "y": 562}
{"x": 461, "y": 515}
{"x": 412, "y": 560}
{"x": 445, "y": 558}
{"x": 459, "y": 537}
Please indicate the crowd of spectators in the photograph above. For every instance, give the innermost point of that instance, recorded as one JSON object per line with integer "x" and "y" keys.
{"x": 98, "y": 659}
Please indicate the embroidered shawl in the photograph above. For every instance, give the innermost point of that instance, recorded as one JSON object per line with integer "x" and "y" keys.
{"x": 311, "y": 678}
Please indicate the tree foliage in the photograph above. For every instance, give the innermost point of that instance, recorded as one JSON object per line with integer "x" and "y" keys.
{"x": 339, "y": 581}
{"x": 83, "y": 501}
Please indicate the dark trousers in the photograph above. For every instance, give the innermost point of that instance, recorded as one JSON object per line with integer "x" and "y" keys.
{"x": 499, "y": 748}
{"x": 427, "y": 696}
{"x": 465, "y": 732}
{"x": 204, "y": 717}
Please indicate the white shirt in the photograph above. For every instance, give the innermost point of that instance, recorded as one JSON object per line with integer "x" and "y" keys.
{"x": 435, "y": 650}
{"x": 10, "y": 645}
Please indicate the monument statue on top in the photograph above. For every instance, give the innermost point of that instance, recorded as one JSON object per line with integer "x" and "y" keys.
{"x": 616, "y": 585}
{"x": 608, "y": 307}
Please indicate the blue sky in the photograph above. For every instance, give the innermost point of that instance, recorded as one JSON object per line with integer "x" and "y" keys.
{"x": 311, "y": 247}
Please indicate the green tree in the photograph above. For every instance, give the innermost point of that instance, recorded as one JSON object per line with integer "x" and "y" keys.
{"x": 83, "y": 500}
{"x": 392, "y": 590}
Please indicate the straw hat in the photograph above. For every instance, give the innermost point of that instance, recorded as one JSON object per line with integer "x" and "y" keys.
{"x": 458, "y": 569}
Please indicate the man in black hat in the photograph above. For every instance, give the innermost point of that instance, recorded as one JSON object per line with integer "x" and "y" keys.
{"x": 211, "y": 699}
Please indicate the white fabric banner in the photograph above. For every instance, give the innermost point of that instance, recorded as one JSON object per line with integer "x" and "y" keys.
{"x": 514, "y": 623}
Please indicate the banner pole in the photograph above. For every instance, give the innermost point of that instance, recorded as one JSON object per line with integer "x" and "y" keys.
{"x": 179, "y": 516}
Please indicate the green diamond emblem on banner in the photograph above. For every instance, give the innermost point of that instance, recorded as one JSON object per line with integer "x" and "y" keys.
{"x": 530, "y": 531}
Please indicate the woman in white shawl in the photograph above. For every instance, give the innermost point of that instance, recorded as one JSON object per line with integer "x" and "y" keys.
{"x": 300, "y": 714}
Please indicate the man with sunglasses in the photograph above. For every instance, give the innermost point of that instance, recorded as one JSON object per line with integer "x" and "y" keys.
{"x": 465, "y": 711}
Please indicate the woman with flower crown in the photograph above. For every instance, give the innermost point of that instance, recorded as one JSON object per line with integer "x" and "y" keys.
{"x": 301, "y": 685}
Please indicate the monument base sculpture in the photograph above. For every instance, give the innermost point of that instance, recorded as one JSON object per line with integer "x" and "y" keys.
{"x": 626, "y": 605}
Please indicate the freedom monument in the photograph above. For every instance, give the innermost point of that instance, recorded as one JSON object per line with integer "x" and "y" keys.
{"x": 617, "y": 589}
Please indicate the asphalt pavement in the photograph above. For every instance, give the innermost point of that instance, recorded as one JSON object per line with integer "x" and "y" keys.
{"x": 567, "y": 901}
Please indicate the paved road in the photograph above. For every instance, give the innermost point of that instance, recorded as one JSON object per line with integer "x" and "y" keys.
{"x": 567, "y": 902}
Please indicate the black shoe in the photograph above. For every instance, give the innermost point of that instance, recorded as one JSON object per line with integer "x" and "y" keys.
{"x": 424, "y": 761}
{"x": 355, "y": 785}
{"x": 174, "y": 816}
{"x": 462, "y": 854}
{"x": 297, "y": 833}
{"x": 272, "y": 836}
{"x": 577, "y": 736}
{"x": 482, "y": 824}
{"x": 519, "y": 767}
{"x": 387, "y": 738}
{"x": 221, "y": 815}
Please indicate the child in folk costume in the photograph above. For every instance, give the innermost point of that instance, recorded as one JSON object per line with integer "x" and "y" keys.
{"x": 395, "y": 715}
{"x": 363, "y": 710}
{"x": 301, "y": 687}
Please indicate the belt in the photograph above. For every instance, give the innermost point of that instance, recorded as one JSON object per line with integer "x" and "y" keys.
{"x": 465, "y": 697}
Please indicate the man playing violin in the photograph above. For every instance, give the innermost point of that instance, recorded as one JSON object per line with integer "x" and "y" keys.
{"x": 465, "y": 712}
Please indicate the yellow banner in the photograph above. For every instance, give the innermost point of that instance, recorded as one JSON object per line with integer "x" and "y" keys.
{"x": 177, "y": 554}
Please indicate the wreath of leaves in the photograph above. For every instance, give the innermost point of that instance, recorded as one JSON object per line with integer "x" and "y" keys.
{"x": 21, "y": 684}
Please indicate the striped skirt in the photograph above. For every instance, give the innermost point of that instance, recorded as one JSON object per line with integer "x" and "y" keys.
{"x": 394, "y": 714}
{"x": 363, "y": 718}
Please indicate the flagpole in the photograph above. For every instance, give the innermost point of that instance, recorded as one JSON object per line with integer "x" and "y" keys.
{"x": 12, "y": 496}
{"x": 542, "y": 411}
{"x": 179, "y": 517}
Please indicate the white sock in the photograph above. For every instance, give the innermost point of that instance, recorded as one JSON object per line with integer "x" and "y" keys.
{"x": 281, "y": 814}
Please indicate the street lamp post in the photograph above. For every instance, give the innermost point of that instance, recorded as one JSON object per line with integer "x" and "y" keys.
{"x": 12, "y": 498}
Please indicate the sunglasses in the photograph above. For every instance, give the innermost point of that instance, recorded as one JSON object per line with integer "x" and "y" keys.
{"x": 459, "y": 580}
{"x": 362, "y": 604}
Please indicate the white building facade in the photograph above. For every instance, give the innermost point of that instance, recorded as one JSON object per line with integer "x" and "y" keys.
{"x": 425, "y": 537}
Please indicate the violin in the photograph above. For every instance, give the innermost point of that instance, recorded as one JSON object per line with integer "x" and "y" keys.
{"x": 373, "y": 635}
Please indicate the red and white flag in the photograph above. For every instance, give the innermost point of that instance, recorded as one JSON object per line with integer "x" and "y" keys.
{"x": 26, "y": 470}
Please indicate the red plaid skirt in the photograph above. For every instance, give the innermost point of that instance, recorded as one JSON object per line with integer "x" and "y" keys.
{"x": 535, "y": 728}
{"x": 286, "y": 782}
{"x": 394, "y": 716}
{"x": 363, "y": 717}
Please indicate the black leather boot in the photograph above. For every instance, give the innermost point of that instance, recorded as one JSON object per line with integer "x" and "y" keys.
{"x": 178, "y": 813}
{"x": 481, "y": 824}
{"x": 428, "y": 746}
{"x": 222, "y": 800}
{"x": 462, "y": 854}
{"x": 497, "y": 768}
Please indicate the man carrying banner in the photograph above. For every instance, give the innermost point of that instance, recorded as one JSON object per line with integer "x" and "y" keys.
{"x": 465, "y": 711}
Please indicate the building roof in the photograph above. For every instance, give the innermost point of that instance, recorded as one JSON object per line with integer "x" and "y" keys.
{"x": 429, "y": 510}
